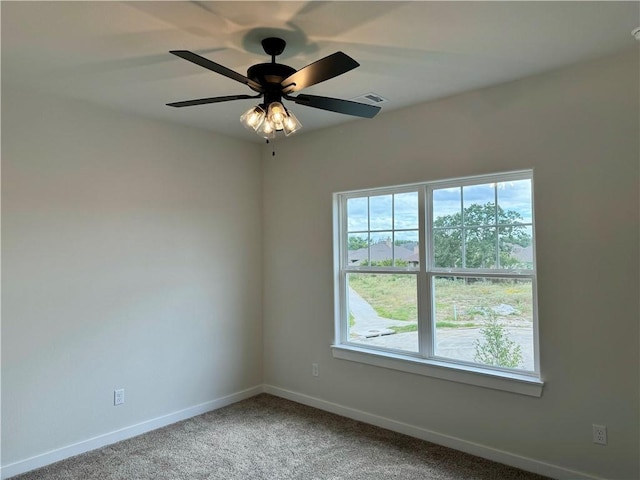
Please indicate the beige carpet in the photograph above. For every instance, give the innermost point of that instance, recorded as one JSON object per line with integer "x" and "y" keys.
{"x": 266, "y": 437}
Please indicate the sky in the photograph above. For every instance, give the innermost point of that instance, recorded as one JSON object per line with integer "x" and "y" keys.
{"x": 400, "y": 211}
{"x": 512, "y": 195}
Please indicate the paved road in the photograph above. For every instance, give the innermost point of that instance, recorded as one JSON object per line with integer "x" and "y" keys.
{"x": 456, "y": 343}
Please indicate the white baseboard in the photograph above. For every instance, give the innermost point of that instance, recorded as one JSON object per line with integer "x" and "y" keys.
{"x": 53, "y": 456}
{"x": 500, "y": 456}
{"x": 479, "y": 450}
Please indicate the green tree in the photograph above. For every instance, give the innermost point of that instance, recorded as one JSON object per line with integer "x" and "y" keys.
{"x": 481, "y": 237}
{"x": 356, "y": 243}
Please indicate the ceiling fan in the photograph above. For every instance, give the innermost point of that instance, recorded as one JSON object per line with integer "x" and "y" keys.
{"x": 275, "y": 81}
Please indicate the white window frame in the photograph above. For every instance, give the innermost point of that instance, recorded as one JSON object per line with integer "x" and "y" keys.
{"x": 424, "y": 362}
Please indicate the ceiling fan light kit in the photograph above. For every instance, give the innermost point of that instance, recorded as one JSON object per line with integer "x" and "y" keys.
{"x": 274, "y": 82}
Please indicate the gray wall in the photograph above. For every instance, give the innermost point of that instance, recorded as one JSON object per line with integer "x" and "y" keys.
{"x": 131, "y": 259}
{"x": 578, "y": 129}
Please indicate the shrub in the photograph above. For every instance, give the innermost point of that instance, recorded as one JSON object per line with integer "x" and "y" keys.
{"x": 385, "y": 263}
{"x": 497, "y": 348}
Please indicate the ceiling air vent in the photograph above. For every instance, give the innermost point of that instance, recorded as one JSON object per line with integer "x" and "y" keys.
{"x": 370, "y": 98}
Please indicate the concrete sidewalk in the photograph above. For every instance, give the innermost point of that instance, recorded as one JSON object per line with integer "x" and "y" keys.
{"x": 368, "y": 323}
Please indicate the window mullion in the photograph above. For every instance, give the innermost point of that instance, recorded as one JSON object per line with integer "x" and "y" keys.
{"x": 496, "y": 223}
{"x": 369, "y": 229}
{"x": 342, "y": 279}
{"x": 425, "y": 310}
{"x": 463, "y": 231}
{"x": 393, "y": 231}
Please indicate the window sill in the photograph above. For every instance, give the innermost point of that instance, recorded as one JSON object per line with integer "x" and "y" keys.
{"x": 506, "y": 381}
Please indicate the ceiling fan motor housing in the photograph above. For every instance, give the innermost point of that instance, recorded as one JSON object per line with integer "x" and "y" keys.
{"x": 270, "y": 73}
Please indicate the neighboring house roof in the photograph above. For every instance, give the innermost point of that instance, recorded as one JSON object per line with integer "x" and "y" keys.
{"x": 522, "y": 254}
{"x": 380, "y": 251}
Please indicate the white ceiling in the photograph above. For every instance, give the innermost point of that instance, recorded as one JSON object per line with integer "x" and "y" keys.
{"x": 116, "y": 53}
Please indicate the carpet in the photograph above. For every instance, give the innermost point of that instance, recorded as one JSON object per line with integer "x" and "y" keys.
{"x": 269, "y": 438}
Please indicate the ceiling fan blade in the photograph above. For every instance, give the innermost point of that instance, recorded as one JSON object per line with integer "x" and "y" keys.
{"x": 336, "y": 105}
{"x": 204, "y": 101}
{"x": 216, "y": 67}
{"x": 316, "y": 72}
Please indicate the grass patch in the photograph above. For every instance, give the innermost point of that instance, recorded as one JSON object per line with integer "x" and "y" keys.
{"x": 391, "y": 296}
{"x": 458, "y": 302}
{"x": 456, "y": 325}
{"x": 405, "y": 328}
{"x": 414, "y": 326}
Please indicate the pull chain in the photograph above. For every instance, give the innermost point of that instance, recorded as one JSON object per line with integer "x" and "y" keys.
{"x": 273, "y": 148}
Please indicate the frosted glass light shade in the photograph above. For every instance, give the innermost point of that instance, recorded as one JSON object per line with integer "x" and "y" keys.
{"x": 291, "y": 124}
{"x": 253, "y": 118}
{"x": 277, "y": 114}
{"x": 267, "y": 129}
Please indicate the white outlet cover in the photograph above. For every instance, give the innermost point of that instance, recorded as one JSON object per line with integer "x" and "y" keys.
{"x": 600, "y": 434}
{"x": 118, "y": 396}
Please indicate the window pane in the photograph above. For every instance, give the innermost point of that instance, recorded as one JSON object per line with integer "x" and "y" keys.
{"x": 447, "y": 245}
{"x": 407, "y": 252}
{"x": 486, "y": 321}
{"x": 383, "y": 310}
{"x": 479, "y": 204}
{"x": 381, "y": 253}
{"x": 514, "y": 198}
{"x": 358, "y": 247}
{"x": 405, "y": 210}
{"x": 447, "y": 207}
{"x": 480, "y": 247}
{"x": 516, "y": 249}
{"x": 380, "y": 216}
{"x": 357, "y": 214}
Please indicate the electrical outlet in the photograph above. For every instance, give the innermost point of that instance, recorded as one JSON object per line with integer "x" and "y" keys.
{"x": 599, "y": 434}
{"x": 314, "y": 370}
{"x": 118, "y": 396}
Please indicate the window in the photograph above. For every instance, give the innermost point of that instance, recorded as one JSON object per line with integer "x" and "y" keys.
{"x": 439, "y": 279}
